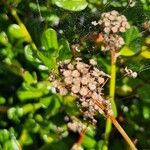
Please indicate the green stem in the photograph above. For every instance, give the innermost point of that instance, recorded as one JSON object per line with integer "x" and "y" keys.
{"x": 112, "y": 96}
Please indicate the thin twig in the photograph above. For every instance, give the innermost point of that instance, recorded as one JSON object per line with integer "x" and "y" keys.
{"x": 116, "y": 124}
{"x": 77, "y": 145}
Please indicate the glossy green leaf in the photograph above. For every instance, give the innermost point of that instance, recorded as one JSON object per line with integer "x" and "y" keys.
{"x": 49, "y": 40}
{"x": 72, "y": 5}
{"x": 132, "y": 34}
{"x": 64, "y": 50}
{"x": 3, "y": 38}
{"x": 15, "y": 31}
{"x": 28, "y": 53}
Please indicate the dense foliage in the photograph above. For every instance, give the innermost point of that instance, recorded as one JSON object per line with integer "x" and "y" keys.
{"x": 34, "y": 37}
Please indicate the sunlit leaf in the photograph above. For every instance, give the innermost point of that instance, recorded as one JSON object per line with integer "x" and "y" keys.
{"x": 126, "y": 51}
{"x": 16, "y": 31}
{"x": 28, "y": 53}
{"x": 25, "y": 95}
{"x": 73, "y": 5}
{"x": 28, "y": 77}
{"x": 3, "y": 38}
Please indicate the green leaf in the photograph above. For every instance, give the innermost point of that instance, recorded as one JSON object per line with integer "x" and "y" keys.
{"x": 28, "y": 53}
{"x": 15, "y": 31}
{"x": 49, "y": 40}
{"x": 133, "y": 40}
{"x": 28, "y": 77}
{"x": 3, "y": 38}
{"x": 126, "y": 51}
{"x": 48, "y": 62}
{"x": 25, "y": 138}
{"x": 50, "y": 44}
{"x": 32, "y": 94}
{"x": 132, "y": 34}
{"x": 88, "y": 142}
{"x": 145, "y": 52}
{"x": 72, "y": 5}
{"x": 53, "y": 106}
{"x": 64, "y": 50}
{"x": 45, "y": 101}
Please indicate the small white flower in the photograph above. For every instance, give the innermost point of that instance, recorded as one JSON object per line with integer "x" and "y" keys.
{"x": 75, "y": 73}
{"x": 93, "y": 62}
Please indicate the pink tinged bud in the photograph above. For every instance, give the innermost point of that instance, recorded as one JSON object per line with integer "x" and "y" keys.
{"x": 75, "y": 73}
{"x": 84, "y": 91}
{"x": 67, "y": 73}
{"x": 92, "y": 86}
{"x": 101, "y": 80}
{"x": 75, "y": 89}
{"x": 68, "y": 80}
{"x": 122, "y": 29}
{"x": 114, "y": 29}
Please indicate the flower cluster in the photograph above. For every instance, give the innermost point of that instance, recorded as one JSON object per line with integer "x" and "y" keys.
{"x": 112, "y": 42}
{"x": 84, "y": 81}
{"x": 75, "y": 125}
{"x": 113, "y": 23}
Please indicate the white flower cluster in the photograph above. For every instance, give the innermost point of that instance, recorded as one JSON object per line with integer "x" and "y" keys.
{"x": 112, "y": 42}
{"x": 75, "y": 125}
{"x": 84, "y": 81}
{"x": 113, "y": 23}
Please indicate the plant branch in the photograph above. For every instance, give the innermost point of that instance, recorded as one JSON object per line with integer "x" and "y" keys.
{"x": 117, "y": 125}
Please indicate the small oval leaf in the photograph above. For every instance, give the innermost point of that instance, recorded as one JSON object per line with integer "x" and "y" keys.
{"x": 49, "y": 40}
{"x": 72, "y": 5}
{"x": 126, "y": 51}
{"x": 15, "y": 31}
